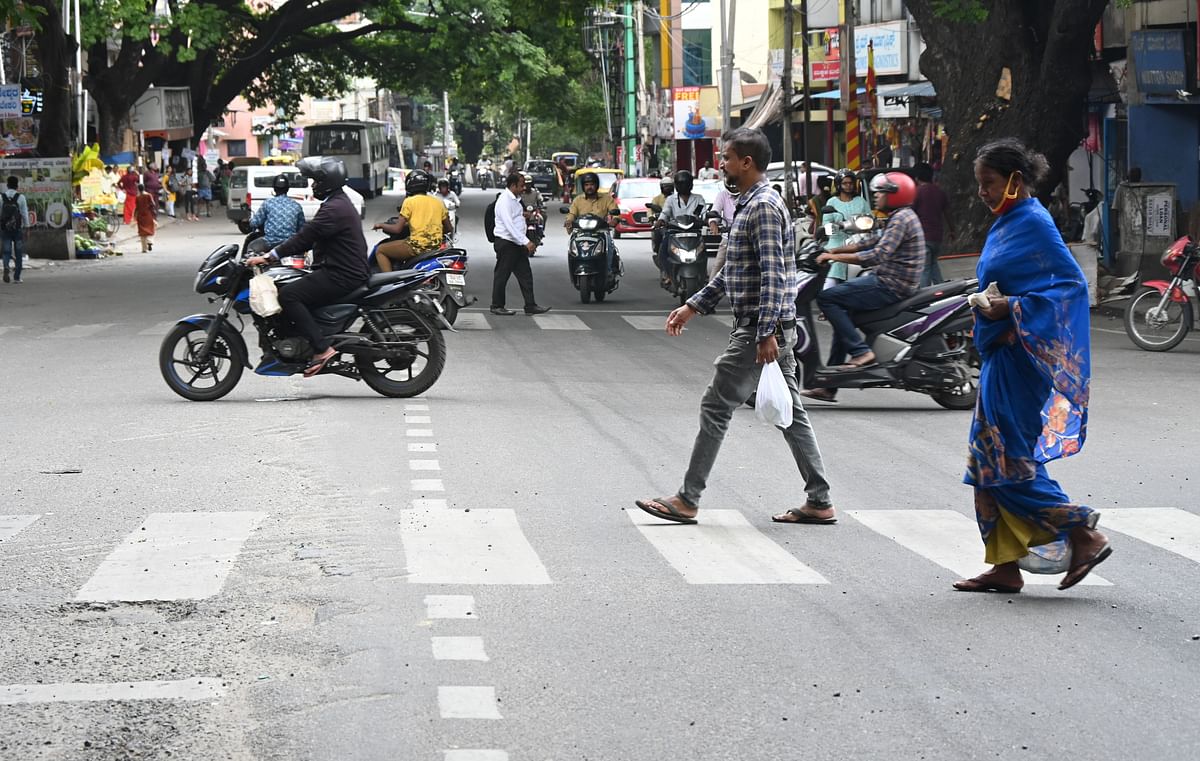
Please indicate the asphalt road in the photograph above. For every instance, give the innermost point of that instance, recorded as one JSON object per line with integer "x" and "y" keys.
{"x": 306, "y": 570}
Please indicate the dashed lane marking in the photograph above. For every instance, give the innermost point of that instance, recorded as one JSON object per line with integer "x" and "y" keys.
{"x": 1170, "y": 528}
{"x": 11, "y": 525}
{"x": 422, "y": 446}
{"x": 173, "y": 556}
{"x": 488, "y": 548}
{"x": 946, "y": 537}
{"x": 418, "y": 433}
{"x": 416, "y": 407}
{"x": 723, "y": 549}
{"x": 71, "y": 692}
{"x": 468, "y": 703}
{"x": 458, "y": 649}
{"x": 429, "y": 504}
{"x": 424, "y": 465}
{"x": 417, "y": 419}
{"x": 427, "y": 484}
{"x": 450, "y": 606}
{"x": 475, "y": 755}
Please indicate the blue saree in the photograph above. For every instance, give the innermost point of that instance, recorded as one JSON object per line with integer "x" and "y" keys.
{"x": 1033, "y": 388}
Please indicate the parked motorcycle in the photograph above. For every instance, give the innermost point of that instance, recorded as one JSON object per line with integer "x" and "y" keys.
{"x": 687, "y": 260}
{"x": 923, "y": 342}
{"x": 448, "y": 265}
{"x": 386, "y": 332}
{"x": 1162, "y": 312}
{"x": 587, "y": 257}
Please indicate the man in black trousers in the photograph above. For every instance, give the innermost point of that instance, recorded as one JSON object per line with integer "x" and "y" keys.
{"x": 513, "y": 248}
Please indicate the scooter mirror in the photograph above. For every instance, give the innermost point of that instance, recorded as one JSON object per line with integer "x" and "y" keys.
{"x": 828, "y": 229}
{"x": 829, "y": 210}
{"x": 564, "y": 209}
{"x": 654, "y": 208}
{"x": 864, "y": 223}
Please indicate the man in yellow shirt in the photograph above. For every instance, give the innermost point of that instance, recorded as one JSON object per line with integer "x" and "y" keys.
{"x": 423, "y": 215}
{"x": 593, "y": 202}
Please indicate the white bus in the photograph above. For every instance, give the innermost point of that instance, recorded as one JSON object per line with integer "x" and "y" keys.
{"x": 362, "y": 145}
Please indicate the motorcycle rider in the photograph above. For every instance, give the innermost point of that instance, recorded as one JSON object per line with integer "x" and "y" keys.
{"x": 535, "y": 217}
{"x": 423, "y": 215}
{"x": 279, "y": 217}
{"x": 682, "y": 203}
{"x": 666, "y": 186}
{"x": 898, "y": 257}
{"x": 447, "y": 196}
{"x": 339, "y": 255}
{"x": 600, "y": 204}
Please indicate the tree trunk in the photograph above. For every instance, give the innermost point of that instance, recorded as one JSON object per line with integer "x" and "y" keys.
{"x": 1045, "y": 45}
{"x": 54, "y": 52}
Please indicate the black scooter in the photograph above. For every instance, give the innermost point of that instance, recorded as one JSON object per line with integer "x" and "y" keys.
{"x": 687, "y": 260}
{"x": 587, "y": 257}
{"x": 923, "y": 343}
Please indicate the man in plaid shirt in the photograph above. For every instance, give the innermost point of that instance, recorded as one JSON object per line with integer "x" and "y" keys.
{"x": 898, "y": 258}
{"x": 759, "y": 277}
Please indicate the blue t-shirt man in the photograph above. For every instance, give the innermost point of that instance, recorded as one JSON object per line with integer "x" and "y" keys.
{"x": 280, "y": 218}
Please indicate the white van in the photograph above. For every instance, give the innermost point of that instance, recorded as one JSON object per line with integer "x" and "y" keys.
{"x": 249, "y": 186}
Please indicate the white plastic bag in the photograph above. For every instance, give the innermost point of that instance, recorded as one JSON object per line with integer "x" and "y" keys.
{"x": 773, "y": 402}
{"x": 264, "y": 296}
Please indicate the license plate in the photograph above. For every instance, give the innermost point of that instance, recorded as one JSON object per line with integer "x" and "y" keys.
{"x": 453, "y": 279}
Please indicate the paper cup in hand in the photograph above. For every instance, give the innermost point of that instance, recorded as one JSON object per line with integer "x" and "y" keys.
{"x": 981, "y": 299}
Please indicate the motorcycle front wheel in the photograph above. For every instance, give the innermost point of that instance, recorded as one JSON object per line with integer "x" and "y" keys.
{"x": 687, "y": 288}
{"x": 411, "y": 366}
{"x": 192, "y": 379}
{"x": 1152, "y": 330}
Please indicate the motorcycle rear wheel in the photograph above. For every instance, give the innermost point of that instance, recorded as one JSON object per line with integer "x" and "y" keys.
{"x": 964, "y": 397}
{"x": 209, "y": 380}
{"x": 451, "y": 310}
{"x": 1162, "y": 333}
{"x": 411, "y": 369}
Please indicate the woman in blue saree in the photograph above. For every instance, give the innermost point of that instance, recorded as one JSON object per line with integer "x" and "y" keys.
{"x": 1033, "y": 385}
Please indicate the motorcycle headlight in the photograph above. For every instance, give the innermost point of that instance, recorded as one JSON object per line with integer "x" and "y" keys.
{"x": 588, "y": 224}
{"x": 684, "y": 255}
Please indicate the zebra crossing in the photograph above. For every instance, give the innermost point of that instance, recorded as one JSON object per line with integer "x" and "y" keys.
{"x": 190, "y": 556}
{"x": 467, "y": 321}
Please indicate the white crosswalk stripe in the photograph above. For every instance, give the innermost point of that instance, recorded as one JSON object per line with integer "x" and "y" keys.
{"x": 559, "y": 322}
{"x": 173, "y": 556}
{"x": 946, "y": 537}
{"x": 80, "y": 331}
{"x": 1170, "y": 528}
{"x": 159, "y": 329}
{"x": 11, "y": 525}
{"x": 489, "y": 548}
{"x": 646, "y": 321}
{"x": 9, "y": 328}
{"x": 723, "y": 549}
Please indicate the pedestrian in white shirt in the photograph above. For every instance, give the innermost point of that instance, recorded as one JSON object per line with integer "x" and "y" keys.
{"x": 513, "y": 248}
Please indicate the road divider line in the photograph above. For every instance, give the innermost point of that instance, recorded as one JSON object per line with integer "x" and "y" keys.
{"x": 172, "y": 556}
{"x": 422, "y": 446}
{"x": 417, "y": 407}
{"x": 11, "y": 525}
{"x": 469, "y": 547}
{"x": 77, "y": 692}
{"x": 1170, "y": 528}
{"x": 419, "y": 433}
{"x": 429, "y": 504}
{"x": 475, "y": 755}
{"x": 458, "y": 649}
{"x": 468, "y": 703}
{"x": 946, "y": 537}
{"x": 450, "y": 606}
{"x": 723, "y": 549}
{"x": 427, "y": 484}
{"x": 424, "y": 465}
{"x": 416, "y": 419}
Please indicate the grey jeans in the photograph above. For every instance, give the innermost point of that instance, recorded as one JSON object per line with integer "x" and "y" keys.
{"x": 736, "y": 377}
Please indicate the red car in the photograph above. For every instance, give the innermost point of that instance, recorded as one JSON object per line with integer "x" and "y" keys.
{"x": 632, "y": 194}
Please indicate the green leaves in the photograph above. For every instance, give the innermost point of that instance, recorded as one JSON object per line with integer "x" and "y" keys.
{"x": 964, "y": 11}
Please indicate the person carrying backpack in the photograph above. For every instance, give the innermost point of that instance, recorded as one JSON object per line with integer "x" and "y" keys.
{"x": 14, "y": 212}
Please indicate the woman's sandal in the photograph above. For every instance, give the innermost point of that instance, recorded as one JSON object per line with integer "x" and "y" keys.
{"x": 317, "y": 365}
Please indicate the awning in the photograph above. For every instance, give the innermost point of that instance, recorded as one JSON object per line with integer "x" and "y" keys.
{"x": 912, "y": 90}
{"x": 833, "y": 94}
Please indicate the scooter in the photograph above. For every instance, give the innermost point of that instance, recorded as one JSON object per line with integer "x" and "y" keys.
{"x": 687, "y": 260}
{"x": 587, "y": 257}
{"x": 455, "y": 176}
{"x": 535, "y": 228}
{"x": 923, "y": 343}
{"x": 1162, "y": 313}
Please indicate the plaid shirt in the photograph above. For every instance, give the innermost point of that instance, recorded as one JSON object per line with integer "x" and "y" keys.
{"x": 899, "y": 256}
{"x": 759, "y": 275}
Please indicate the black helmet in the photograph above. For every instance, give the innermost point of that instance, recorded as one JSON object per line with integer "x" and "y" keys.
{"x": 327, "y": 174}
{"x": 591, "y": 177}
{"x": 666, "y": 185}
{"x": 281, "y": 184}
{"x": 418, "y": 182}
{"x": 841, "y": 175}
{"x": 443, "y": 183}
{"x": 684, "y": 181}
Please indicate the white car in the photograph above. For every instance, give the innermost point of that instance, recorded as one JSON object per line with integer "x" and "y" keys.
{"x": 251, "y": 185}
{"x": 776, "y": 173}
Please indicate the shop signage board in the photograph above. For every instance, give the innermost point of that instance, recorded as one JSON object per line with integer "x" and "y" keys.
{"x": 1160, "y": 60}
{"x": 46, "y": 185}
{"x": 689, "y": 122}
{"x": 10, "y": 101}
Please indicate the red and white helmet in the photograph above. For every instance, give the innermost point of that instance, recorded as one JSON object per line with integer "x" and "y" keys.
{"x": 898, "y": 188}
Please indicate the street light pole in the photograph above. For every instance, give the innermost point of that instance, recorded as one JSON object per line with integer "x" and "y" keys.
{"x": 789, "y": 180}
{"x": 727, "y": 63}
{"x": 630, "y": 92}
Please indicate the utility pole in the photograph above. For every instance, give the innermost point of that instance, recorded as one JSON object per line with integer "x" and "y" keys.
{"x": 807, "y": 85}
{"x": 445, "y": 127}
{"x": 789, "y": 191}
{"x": 630, "y": 91}
{"x": 727, "y": 63}
{"x": 849, "y": 85}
